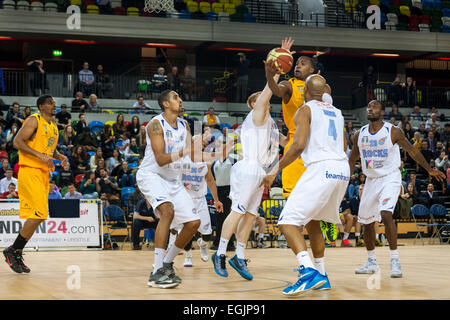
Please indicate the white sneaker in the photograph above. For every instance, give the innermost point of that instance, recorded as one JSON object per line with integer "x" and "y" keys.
{"x": 370, "y": 267}
{"x": 396, "y": 269}
{"x": 188, "y": 259}
{"x": 204, "y": 252}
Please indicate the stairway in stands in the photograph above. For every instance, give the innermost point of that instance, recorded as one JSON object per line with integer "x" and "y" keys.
{"x": 349, "y": 116}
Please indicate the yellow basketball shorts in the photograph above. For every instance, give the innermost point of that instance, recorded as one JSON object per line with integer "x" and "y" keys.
{"x": 33, "y": 188}
{"x": 292, "y": 173}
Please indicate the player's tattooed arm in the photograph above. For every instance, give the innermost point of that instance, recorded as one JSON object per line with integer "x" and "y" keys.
{"x": 399, "y": 138}
{"x": 354, "y": 156}
{"x": 156, "y": 135}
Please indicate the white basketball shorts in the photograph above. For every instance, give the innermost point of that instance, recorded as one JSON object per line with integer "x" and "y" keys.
{"x": 201, "y": 206}
{"x": 380, "y": 194}
{"x": 158, "y": 191}
{"x": 245, "y": 189}
{"x": 318, "y": 194}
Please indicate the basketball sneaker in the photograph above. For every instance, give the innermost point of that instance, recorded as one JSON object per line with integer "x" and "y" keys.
{"x": 329, "y": 230}
{"x": 219, "y": 264}
{"x": 378, "y": 243}
{"x": 261, "y": 244}
{"x": 164, "y": 277}
{"x": 360, "y": 242}
{"x": 308, "y": 279}
{"x": 346, "y": 243}
{"x": 204, "y": 252}
{"x": 240, "y": 265}
{"x": 370, "y": 267}
{"x": 396, "y": 269}
{"x": 188, "y": 259}
{"x": 14, "y": 259}
{"x": 330, "y": 245}
{"x": 326, "y": 285}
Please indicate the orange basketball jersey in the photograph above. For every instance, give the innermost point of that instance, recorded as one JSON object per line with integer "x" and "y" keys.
{"x": 44, "y": 141}
{"x": 296, "y": 101}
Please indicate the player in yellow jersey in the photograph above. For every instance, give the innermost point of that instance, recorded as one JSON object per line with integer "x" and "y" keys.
{"x": 36, "y": 142}
{"x": 292, "y": 94}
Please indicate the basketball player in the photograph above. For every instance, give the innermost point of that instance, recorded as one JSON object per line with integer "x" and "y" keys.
{"x": 259, "y": 139}
{"x": 36, "y": 142}
{"x": 196, "y": 177}
{"x": 378, "y": 146}
{"x": 319, "y": 139}
{"x": 292, "y": 94}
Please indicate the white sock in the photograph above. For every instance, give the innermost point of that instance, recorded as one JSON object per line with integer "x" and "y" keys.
{"x": 346, "y": 235}
{"x": 222, "y": 246}
{"x": 371, "y": 254}
{"x": 173, "y": 252}
{"x": 159, "y": 256}
{"x": 172, "y": 238}
{"x": 357, "y": 234}
{"x": 261, "y": 236}
{"x": 304, "y": 259}
{"x": 394, "y": 254}
{"x": 319, "y": 263}
{"x": 240, "y": 250}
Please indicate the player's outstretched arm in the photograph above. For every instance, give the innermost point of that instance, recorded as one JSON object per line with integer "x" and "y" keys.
{"x": 156, "y": 135}
{"x": 261, "y": 107}
{"x": 25, "y": 133}
{"x": 211, "y": 183}
{"x": 282, "y": 89}
{"x": 354, "y": 156}
{"x": 399, "y": 138}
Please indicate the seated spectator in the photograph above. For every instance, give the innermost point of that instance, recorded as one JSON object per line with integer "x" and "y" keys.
{"x": 411, "y": 193}
{"x": 134, "y": 128}
{"x": 67, "y": 141}
{"x": 81, "y": 124}
{"x": 354, "y": 209}
{"x": 426, "y": 152}
{"x": 134, "y": 198}
{"x": 114, "y": 161}
{"x": 79, "y": 104}
{"x": 14, "y": 116}
{"x": 106, "y": 186}
{"x": 416, "y": 115}
{"x": 159, "y": 82}
{"x": 103, "y": 83}
{"x": 143, "y": 140}
{"x": 132, "y": 151}
{"x": 174, "y": 80}
{"x": 119, "y": 127}
{"x": 436, "y": 132}
{"x": 125, "y": 138}
{"x": 63, "y": 117}
{"x": 409, "y": 132}
{"x": 72, "y": 193}
{"x": 11, "y": 193}
{"x": 143, "y": 218}
{"x": 7, "y": 180}
{"x": 87, "y": 140}
{"x": 430, "y": 197}
{"x": 211, "y": 119}
{"x": 442, "y": 162}
{"x": 86, "y": 79}
{"x": 140, "y": 106}
{"x": 431, "y": 121}
{"x": 52, "y": 192}
{"x": 66, "y": 176}
{"x": 418, "y": 184}
{"x": 125, "y": 176}
{"x": 440, "y": 148}
{"x": 79, "y": 161}
{"x": 433, "y": 110}
{"x": 395, "y": 113}
{"x": 187, "y": 84}
{"x": 5, "y": 166}
{"x": 93, "y": 161}
{"x": 12, "y": 133}
{"x": 88, "y": 186}
{"x": 431, "y": 141}
{"x": 108, "y": 141}
{"x": 445, "y": 135}
{"x": 101, "y": 165}
{"x": 422, "y": 131}
{"x": 93, "y": 105}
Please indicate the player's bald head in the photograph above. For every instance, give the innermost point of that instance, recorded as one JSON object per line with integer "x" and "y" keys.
{"x": 315, "y": 87}
{"x": 327, "y": 88}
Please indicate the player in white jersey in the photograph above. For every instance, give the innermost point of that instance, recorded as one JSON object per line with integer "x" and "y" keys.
{"x": 378, "y": 146}
{"x": 319, "y": 139}
{"x": 196, "y": 177}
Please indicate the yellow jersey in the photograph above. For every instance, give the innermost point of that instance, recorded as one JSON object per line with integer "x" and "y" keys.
{"x": 296, "y": 101}
{"x": 45, "y": 141}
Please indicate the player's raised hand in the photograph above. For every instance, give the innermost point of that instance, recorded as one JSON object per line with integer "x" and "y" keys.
{"x": 287, "y": 44}
{"x": 271, "y": 69}
{"x": 268, "y": 181}
{"x": 438, "y": 175}
{"x": 219, "y": 206}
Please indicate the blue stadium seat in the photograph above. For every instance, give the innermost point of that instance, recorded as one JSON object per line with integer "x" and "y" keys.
{"x": 133, "y": 165}
{"x": 125, "y": 193}
{"x": 185, "y": 14}
{"x": 224, "y": 125}
{"x": 96, "y": 125}
{"x": 211, "y": 16}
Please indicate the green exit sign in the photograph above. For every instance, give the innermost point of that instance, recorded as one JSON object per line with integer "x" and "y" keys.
{"x": 57, "y": 53}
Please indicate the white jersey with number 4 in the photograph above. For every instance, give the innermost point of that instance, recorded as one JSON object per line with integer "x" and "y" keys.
{"x": 326, "y": 134}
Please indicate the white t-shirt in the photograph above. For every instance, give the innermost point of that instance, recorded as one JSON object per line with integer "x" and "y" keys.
{"x": 4, "y": 184}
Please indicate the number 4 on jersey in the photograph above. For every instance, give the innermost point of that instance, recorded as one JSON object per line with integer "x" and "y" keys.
{"x": 332, "y": 129}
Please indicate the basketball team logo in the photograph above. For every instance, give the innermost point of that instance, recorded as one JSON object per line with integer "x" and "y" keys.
{"x": 368, "y": 166}
{"x": 382, "y": 141}
{"x": 385, "y": 201}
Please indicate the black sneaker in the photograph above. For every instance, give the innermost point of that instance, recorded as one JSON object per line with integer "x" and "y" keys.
{"x": 171, "y": 272}
{"x": 15, "y": 260}
{"x": 164, "y": 277}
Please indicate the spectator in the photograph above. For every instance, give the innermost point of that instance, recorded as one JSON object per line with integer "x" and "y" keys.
{"x": 4, "y": 183}
{"x": 445, "y": 135}
{"x": 2, "y": 139}
{"x": 14, "y": 116}
{"x": 103, "y": 83}
{"x": 143, "y": 218}
{"x": 3, "y": 123}
{"x": 430, "y": 197}
{"x": 132, "y": 151}
{"x": 442, "y": 162}
{"x": 114, "y": 161}
{"x": 101, "y": 165}
{"x": 408, "y": 131}
{"x": 417, "y": 140}
{"x": 349, "y": 133}
{"x": 93, "y": 105}
{"x": 242, "y": 76}
{"x": 93, "y": 161}
{"x": 431, "y": 141}
{"x": 396, "y": 90}
{"x": 432, "y": 121}
{"x": 143, "y": 140}
{"x": 125, "y": 176}
{"x": 108, "y": 141}
{"x": 87, "y": 140}
{"x": 11, "y": 192}
{"x": 187, "y": 83}
{"x": 410, "y": 92}
{"x": 67, "y": 140}
{"x": 134, "y": 198}
{"x": 79, "y": 104}
{"x": 416, "y": 115}
{"x": 125, "y": 138}
{"x": 81, "y": 124}
{"x": 160, "y": 82}
{"x": 79, "y": 161}
{"x": 106, "y": 186}
{"x": 88, "y": 187}
{"x": 140, "y": 106}
{"x": 86, "y": 79}
{"x": 72, "y": 193}
{"x": 26, "y": 113}
{"x": 422, "y": 131}
{"x": 417, "y": 183}
{"x": 211, "y": 119}
{"x": 436, "y": 133}
{"x": 65, "y": 176}
{"x": 174, "y": 80}
{"x": 12, "y": 133}
{"x": 63, "y": 117}
{"x": 38, "y": 81}
{"x": 411, "y": 194}
{"x": 119, "y": 127}
{"x": 5, "y": 166}
{"x": 439, "y": 148}
{"x": 433, "y": 110}
{"x": 395, "y": 113}
{"x": 426, "y": 152}
{"x": 134, "y": 128}
{"x": 53, "y": 193}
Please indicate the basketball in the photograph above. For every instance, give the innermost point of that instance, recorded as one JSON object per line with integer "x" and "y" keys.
{"x": 282, "y": 58}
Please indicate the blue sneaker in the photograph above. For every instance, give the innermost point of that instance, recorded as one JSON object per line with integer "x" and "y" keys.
{"x": 240, "y": 265}
{"x": 219, "y": 264}
{"x": 326, "y": 285}
{"x": 308, "y": 279}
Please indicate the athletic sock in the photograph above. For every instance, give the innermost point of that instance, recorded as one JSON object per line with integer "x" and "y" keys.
{"x": 172, "y": 238}
{"x": 19, "y": 243}
{"x": 222, "y": 246}
{"x": 346, "y": 234}
{"x": 159, "y": 256}
{"x": 261, "y": 236}
{"x": 319, "y": 263}
{"x": 240, "y": 250}
{"x": 394, "y": 254}
{"x": 371, "y": 254}
{"x": 304, "y": 259}
{"x": 173, "y": 252}
{"x": 357, "y": 234}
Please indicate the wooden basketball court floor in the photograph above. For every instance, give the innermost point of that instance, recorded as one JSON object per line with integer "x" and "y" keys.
{"x": 123, "y": 274}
